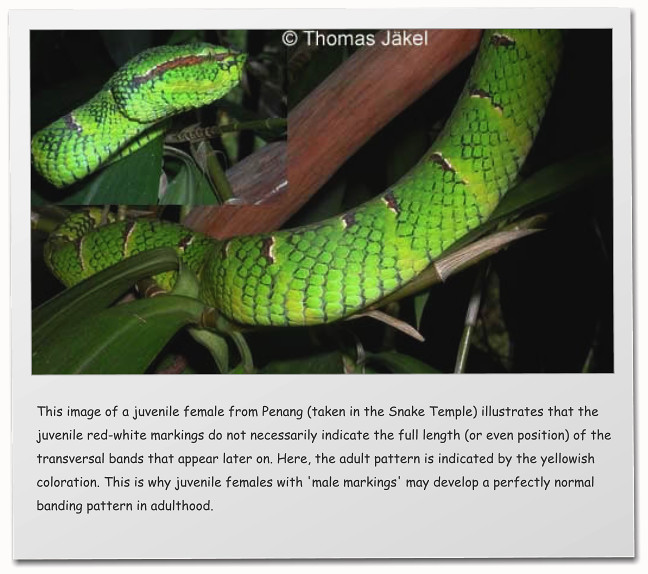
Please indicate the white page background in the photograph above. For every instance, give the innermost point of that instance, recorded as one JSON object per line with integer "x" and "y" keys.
{"x": 572, "y": 565}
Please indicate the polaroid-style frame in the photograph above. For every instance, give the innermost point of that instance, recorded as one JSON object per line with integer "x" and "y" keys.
{"x": 376, "y": 515}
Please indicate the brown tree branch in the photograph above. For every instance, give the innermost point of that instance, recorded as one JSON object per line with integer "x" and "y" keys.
{"x": 329, "y": 126}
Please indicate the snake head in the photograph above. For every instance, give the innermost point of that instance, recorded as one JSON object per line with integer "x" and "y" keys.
{"x": 167, "y": 80}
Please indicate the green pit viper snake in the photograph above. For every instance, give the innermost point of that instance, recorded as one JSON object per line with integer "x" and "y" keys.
{"x": 331, "y": 270}
{"x": 131, "y": 109}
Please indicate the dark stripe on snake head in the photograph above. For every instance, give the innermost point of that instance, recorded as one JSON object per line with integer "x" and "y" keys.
{"x": 183, "y": 61}
{"x": 267, "y": 249}
{"x": 502, "y": 40}
{"x": 391, "y": 202}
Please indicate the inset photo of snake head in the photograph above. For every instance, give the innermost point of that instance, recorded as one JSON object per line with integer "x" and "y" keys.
{"x": 151, "y": 117}
{"x": 352, "y": 202}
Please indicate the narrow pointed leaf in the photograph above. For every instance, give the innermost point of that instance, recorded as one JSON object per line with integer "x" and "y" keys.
{"x": 98, "y": 292}
{"x": 324, "y": 363}
{"x": 189, "y": 186}
{"x": 215, "y": 344}
{"x": 399, "y": 363}
{"x": 132, "y": 180}
{"x": 121, "y": 340}
{"x": 420, "y": 301}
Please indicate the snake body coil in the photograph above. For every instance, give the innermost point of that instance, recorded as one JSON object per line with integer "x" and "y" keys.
{"x": 330, "y": 270}
{"x": 130, "y": 109}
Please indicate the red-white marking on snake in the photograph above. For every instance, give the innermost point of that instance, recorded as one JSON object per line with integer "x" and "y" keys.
{"x": 185, "y": 242}
{"x": 483, "y": 94}
{"x": 79, "y": 247}
{"x": 268, "y": 249}
{"x": 391, "y": 202}
{"x": 502, "y": 40}
{"x": 71, "y": 123}
{"x": 348, "y": 219}
{"x": 437, "y": 157}
{"x": 130, "y": 226}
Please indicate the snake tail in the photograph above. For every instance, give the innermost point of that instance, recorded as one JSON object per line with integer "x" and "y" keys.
{"x": 132, "y": 108}
{"x": 330, "y": 270}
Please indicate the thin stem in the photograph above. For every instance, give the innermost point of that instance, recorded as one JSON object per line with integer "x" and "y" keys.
{"x": 206, "y": 158}
{"x": 196, "y": 133}
{"x": 471, "y": 319}
{"x": 391, "y": 321}
{"x": 211, "y": 319}
{"x": 244, "y": 351}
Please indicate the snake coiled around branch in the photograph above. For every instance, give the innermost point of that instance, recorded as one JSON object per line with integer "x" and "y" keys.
{"x": 330, "y": 270}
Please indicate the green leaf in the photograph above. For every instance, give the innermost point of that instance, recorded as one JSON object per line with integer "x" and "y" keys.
{"x": 206, "y": 159}
{"x": 121, "y": 340}
{"x": 324, "y": 363}
{"x": 420, "y": 301}
{"x": 239, "y": 370}
{"x": 555, "y": 180}
{"x": 215, "y": 344}
{"x": 132, "y": 180}
{"x": 97, "y": 292}
{"x": 400, "y": 363}
{"x": 186, "y": 283}
{"x": 189, "y": 186}
{"x": 545, "y": 185}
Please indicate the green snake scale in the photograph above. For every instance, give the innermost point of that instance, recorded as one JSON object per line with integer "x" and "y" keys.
{"x": 131, "y": 109}
{"x": 327, "y": 271}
